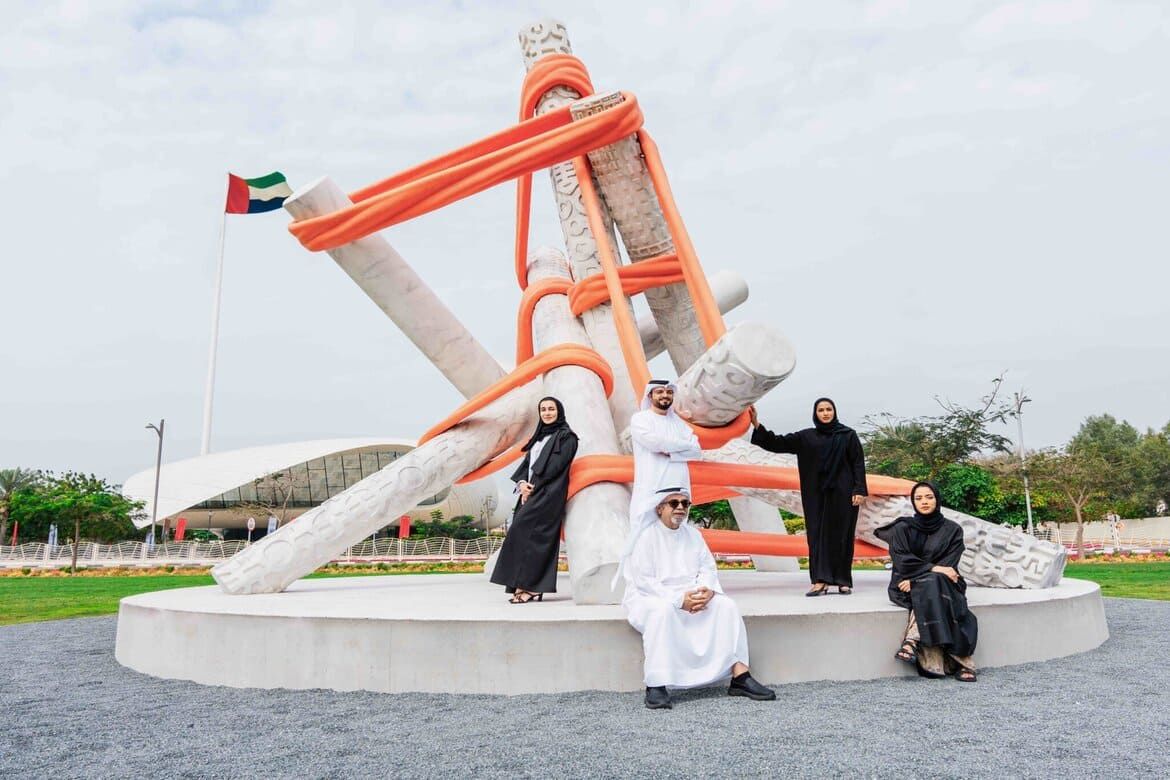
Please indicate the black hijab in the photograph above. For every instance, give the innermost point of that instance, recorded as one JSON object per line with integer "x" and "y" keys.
{"x": 547, "y": 429}
{"x": 839, "y": 439}
{"x": 927, "y": 524}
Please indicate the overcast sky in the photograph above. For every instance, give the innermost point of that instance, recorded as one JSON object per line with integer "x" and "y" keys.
{"x": 920, "y": 195}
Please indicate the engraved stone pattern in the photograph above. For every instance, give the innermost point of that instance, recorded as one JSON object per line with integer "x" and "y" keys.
{"x": 738, "y": 370}
{"x": 395, "y": 287}
{"x": 597, "y": 518}
{"x": 730, "y": 290}
{"x": 538, "y": 40}
{"x": 547, "y": 36}
{"x": 624, "y": 184}
{"x": 996, "y": 557}
{"x": 313, "y": 539}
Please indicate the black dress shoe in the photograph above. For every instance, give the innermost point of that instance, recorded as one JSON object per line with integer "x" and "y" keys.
{"x": 657, "y": 698}
{"x": 747, "y": 686}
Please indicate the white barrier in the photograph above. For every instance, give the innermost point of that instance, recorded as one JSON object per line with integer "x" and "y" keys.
{"x": 191, "y": 553}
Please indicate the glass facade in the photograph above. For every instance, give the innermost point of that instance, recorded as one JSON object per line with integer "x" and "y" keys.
{"x": 310, "y": 483}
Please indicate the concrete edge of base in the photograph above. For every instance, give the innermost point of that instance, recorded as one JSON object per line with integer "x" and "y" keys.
{"x": 552, "y": 655}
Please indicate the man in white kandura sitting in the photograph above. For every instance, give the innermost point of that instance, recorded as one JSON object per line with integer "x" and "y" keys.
{"x": 692, "y": 634}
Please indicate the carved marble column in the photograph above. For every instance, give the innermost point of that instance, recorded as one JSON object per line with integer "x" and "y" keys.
{"x": 730, "y": 290}
{"x": 597, "y": 518}
{"x": 737, "y": 371}
{"x": 392, "y": 284}
{"x": 538, "y": 40}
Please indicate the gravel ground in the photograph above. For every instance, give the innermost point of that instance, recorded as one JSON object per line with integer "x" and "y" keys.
{"x": 71, "y": 711}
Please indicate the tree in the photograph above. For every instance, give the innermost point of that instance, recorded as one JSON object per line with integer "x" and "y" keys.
{"x": 1103, "y": 434}
{"x": 971, "y": 488}
{"x": 275, "y": 491}
{"x": 1152, "y": 469}
{"x": 716, "y": 514}
{"x": 78, "y": 500}
{"x": 922, "y": 447}
{"x": 12, "y": 481}
{"x": 458, "y": 527}
{"x": 1079, "y": 474}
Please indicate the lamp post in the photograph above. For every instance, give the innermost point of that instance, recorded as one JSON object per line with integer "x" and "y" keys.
{"x": 162, "y": 424}
{"x": 1020, "y": 400}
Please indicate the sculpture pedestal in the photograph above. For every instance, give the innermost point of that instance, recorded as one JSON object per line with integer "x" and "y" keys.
{"x": 455, "y": 633}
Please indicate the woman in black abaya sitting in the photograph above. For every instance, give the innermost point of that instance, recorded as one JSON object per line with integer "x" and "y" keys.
{"x": 832, "y": 487}
{"x": 527, "y": 565}
{"x": 925, "y": 549}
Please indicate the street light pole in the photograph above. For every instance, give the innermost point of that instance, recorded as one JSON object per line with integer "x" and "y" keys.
{"x": 162, "y": 424}
{"x": 1020, "y": 400}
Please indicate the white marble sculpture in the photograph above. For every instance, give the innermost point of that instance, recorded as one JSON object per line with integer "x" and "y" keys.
{"x": 716, "y": 384}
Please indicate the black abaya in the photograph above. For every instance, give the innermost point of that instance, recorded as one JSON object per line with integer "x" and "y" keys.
{"x": 830, "y": 519}
{"x": 528, "y": 559}
{"x": 940, "y": 606}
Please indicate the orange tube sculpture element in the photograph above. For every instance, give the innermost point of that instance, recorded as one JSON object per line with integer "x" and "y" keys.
{"x": 515, "y": 153}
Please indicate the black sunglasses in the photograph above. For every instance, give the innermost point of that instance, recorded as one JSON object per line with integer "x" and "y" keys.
{"x": 677, "y": 503}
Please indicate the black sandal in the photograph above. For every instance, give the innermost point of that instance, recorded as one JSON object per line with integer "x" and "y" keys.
{"x": 965, "y": 675}
{"x": 519, "y": 597}
{"x": 822, "y": 590}
{"x": 844, "y": 590}
{"x": 908, "y": 652}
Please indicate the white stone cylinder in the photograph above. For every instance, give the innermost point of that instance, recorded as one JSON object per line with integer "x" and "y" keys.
{"x": 539, "y": 40}
{"x": 756, "y": 516}
{"x": 730, "y": 290}
{"x": 398, "y": 291}
{"x": 597, "y": 518}
{"x": 745, "y": 363}
{"x": 313, "y": 539}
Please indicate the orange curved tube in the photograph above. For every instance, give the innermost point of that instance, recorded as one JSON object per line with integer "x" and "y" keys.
{"x": 746, "y": 543}
{"x": 563, "y": 355}
{"x": 515, "y": 152}
{"x": 591, "y": 469}
{"x": 532, "y": 294}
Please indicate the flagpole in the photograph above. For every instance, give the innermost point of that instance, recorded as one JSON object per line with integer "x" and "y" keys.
{"x": 205, "y": 447}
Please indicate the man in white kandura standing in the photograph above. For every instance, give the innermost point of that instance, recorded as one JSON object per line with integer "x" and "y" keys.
{"x": 662, "y": 445}
{"x": 692, "y": 634}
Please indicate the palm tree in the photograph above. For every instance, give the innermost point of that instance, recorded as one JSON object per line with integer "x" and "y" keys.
{"x": 12, "y": 480}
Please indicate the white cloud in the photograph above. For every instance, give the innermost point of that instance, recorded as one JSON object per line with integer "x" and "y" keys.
{"x": 973, "y": 185}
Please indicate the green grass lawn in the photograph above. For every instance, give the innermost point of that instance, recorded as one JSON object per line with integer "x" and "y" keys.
{"x": 27, "y": 599}
{"x": 1126, "y": 580}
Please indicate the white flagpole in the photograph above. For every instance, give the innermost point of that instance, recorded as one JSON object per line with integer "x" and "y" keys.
{"x": 205, "y": 447}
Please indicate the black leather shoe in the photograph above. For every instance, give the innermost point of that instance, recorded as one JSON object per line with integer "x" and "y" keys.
{"x": 657, "y": 698}
{"x": 750, "y": 688}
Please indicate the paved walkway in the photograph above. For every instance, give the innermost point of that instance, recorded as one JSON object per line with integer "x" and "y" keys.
{"x": 69, "y": 710}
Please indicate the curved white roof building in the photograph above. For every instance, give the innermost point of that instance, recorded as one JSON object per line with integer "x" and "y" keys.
{"x": 224, "y": 489}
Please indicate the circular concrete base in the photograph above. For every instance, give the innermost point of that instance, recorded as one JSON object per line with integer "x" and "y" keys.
{"x": 456, "y": 633}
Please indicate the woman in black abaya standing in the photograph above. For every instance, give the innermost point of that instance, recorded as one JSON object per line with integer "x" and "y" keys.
{"x": 832, "y": 487}
{"x": 925, "y": 549}
{"x": 527, "y": 565}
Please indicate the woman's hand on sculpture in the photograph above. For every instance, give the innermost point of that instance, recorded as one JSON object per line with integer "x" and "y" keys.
{"x": 904, "y": 586}
{"x": 947, "y": 572}
{"x": 755, "y": 420}
{"x": 858, "y": 500}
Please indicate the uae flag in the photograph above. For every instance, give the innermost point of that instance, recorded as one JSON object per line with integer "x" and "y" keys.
{"x": 253, "y": 196}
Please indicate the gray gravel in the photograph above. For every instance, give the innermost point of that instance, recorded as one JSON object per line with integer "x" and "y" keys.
{"x": 71, "y": 711}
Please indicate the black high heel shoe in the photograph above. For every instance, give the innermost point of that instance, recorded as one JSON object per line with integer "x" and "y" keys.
{"x": 821, "y": 591}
